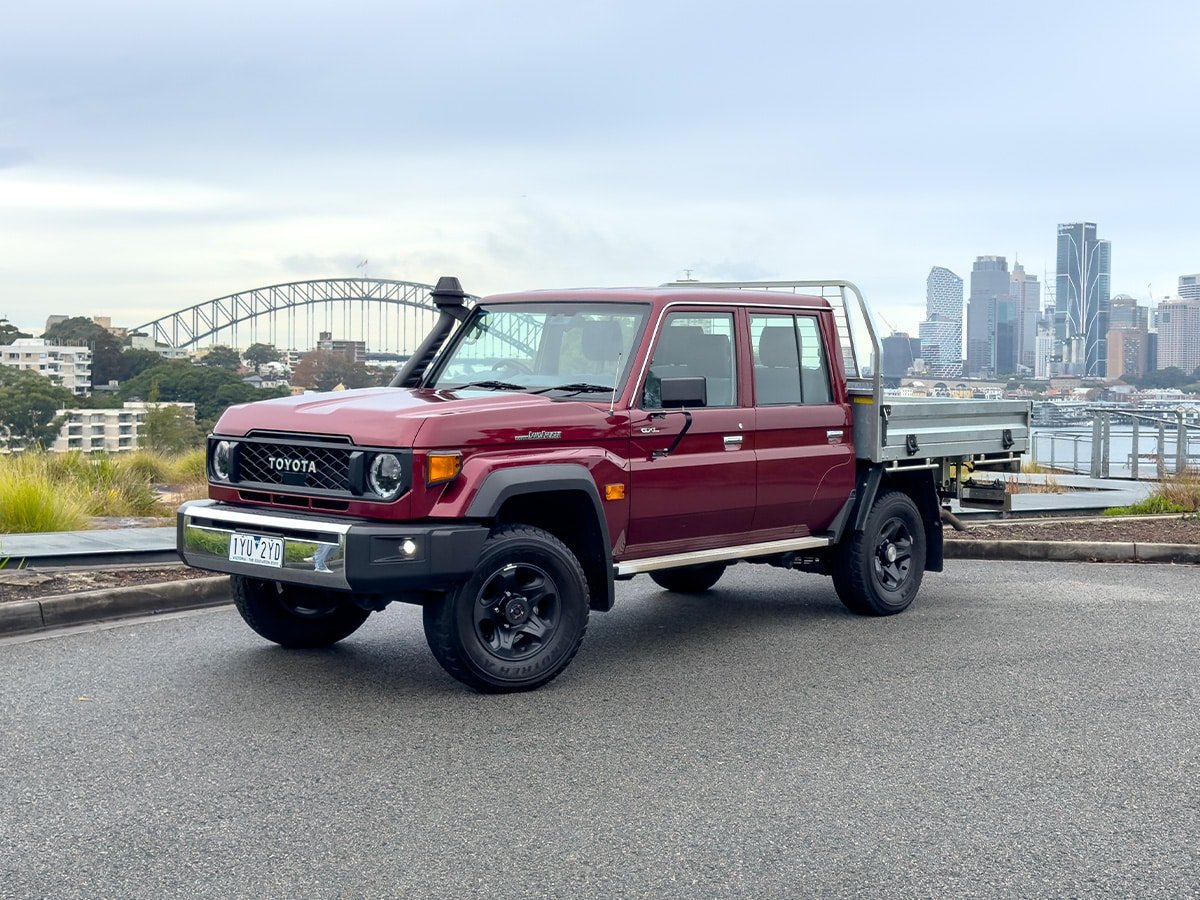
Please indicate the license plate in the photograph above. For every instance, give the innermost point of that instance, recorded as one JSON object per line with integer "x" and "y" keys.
{"x": 255, "y": 549}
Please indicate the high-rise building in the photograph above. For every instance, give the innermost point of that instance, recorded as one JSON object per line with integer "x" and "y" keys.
{"x": 1189, "y": 287}
{"x": 941, "y": 332}
{"x": 1124, "y": 312}
{"x": 1179, "y": 334}
{"x": 1027, "y": 291}
{"x": 1128, "y": 350}
{"x": 1082, "y": 292}
{"x": 899, "y": 353}
{"x": 989, "y": 284}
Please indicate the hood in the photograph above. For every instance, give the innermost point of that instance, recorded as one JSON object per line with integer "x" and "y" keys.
{"x": 400, "y": 417}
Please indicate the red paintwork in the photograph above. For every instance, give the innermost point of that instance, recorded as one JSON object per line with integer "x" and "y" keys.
{"x": 785, "y": 478}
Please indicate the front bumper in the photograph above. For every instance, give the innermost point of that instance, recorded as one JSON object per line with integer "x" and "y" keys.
{"x": 358, "y": 556}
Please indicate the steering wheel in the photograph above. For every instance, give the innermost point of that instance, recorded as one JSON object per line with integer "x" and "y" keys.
{"x": 511, "y": 365}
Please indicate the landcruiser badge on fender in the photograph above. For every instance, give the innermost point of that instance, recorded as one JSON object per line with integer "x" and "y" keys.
{"x": 283, "y": 464}
{"x": 539, "y": 436}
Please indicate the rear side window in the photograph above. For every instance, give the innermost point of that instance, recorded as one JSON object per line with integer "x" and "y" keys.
{"x": 789, "y": 360}
{"x": 694, "y": 344}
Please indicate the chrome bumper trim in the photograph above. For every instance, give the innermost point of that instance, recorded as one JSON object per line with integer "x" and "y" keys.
{"x": 314, "y": 552}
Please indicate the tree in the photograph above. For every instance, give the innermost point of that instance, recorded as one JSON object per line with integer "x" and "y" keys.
{"x": 29, "y": 408}
{"x": 9, "y": 332}
{"x": 106, "y": 346}
{"x": 212, "y": 390}
{"x": 323, "y": 370}
{"x": 170, "y": 429}
{"x": 259, "y": 355}
{"x": 222, "y": 357}
{"x": 135, "y": 362}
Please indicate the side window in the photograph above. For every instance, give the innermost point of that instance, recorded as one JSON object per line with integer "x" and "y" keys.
{"x": 789, "y": 360}
{"x": 694, "y": 344}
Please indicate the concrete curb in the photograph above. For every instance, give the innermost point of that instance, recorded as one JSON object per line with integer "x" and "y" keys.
{"x": 1072, "y": 551}
{"x": 24, "y": 616}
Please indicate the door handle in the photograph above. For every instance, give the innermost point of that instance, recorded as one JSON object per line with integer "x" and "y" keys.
{"x": 732, "y": 441}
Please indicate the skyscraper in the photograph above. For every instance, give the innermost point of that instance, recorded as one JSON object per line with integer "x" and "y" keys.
{"x": 1082, "y": 294}
{"x": 941, "y": 332}
{"x": 989, "y": 286}
{"x": 1026, "y": 290}
{"x": 1179, "y": 334}
{"x": 1189, "y": 287}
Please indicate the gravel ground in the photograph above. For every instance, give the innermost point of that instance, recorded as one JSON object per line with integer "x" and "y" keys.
{"x": 30, "y": 584}
{"x": 1117, "y": 529}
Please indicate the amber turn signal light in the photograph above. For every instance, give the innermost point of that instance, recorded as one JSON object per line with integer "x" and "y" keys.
{"x": 442, "y": 467}
{"x": 614, "y": 492}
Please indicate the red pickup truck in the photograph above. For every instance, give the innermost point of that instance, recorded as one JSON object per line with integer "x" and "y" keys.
{"x": 539, "y": 446}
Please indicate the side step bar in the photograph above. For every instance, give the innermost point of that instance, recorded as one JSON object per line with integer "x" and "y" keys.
{"x": 719, "y": 554}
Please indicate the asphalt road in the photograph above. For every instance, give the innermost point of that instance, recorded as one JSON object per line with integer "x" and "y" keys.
{"x": 1027, "y": 729}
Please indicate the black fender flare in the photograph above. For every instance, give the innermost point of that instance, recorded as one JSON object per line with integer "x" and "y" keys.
{"x": 502, "y": 485}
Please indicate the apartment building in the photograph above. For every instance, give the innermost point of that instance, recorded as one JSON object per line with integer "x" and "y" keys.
{"x": 108, "y": 430}
{"x": 70, "y": 367}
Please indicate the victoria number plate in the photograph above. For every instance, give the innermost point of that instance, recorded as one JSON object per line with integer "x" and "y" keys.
{"x": 255, "y": 549}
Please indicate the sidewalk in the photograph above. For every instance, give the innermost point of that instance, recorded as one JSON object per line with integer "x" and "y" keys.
{"x": 115, "y": 546}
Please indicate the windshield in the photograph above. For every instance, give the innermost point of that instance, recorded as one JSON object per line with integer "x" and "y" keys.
{"x": 557, "y": 347}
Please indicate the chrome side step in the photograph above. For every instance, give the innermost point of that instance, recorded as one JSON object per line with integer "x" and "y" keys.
{"x": 719, "y": 554}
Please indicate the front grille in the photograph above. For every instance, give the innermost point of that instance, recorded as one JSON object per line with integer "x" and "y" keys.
{"x": 294, "y": 465}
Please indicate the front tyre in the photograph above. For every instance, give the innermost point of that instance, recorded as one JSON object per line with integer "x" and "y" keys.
{"x": 519, "y": 620}
{"x": 878, "y": 571}
{"x": 293, "y": 615}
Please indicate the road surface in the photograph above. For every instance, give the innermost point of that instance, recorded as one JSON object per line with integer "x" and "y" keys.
{"x": 1025, "y": 729}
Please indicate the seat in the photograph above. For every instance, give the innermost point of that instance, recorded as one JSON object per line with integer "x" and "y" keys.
{"x": 777, "y": 377}
{"x": 713, "y": 359}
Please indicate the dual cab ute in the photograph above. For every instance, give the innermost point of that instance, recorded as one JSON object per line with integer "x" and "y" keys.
{"x": 540, "y": 446}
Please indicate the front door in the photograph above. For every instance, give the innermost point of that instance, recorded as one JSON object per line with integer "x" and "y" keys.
{"x": 702, "y": 494}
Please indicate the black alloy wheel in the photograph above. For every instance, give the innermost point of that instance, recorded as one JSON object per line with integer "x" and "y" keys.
{"x": 519, "y": 620}
{"x": 878, "y": 571}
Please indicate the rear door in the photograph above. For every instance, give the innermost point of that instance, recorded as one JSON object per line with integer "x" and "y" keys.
{"x": 804, "y": 449}
{"x": 702, "y": 494}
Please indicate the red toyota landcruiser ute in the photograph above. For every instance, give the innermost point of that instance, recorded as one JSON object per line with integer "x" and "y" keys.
{"x": 540, "y": 446}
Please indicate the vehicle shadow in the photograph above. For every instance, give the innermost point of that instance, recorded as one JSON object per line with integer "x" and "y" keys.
{"x": 389, "y": 658}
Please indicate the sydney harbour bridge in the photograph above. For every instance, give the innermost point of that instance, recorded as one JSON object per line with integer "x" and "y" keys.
{"x": 388, "y": 316}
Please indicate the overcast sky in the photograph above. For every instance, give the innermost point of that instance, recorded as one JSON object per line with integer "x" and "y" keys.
{"x": 156, "y": 155}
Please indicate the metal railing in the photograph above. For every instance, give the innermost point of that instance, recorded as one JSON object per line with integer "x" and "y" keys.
{"x": 1163, "y": 443}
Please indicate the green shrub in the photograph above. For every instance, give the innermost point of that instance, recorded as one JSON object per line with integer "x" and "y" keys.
{"x": 31, "y": 503}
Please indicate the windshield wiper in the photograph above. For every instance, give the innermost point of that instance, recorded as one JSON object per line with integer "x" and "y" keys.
{"x": 578, "y": 387}
{"x": 488, "y": 385}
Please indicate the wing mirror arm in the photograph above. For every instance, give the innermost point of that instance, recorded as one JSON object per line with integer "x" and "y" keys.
{"x": 687, "y": 424}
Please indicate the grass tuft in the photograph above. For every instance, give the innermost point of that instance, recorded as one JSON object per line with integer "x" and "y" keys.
{"x": 31, "y": 502}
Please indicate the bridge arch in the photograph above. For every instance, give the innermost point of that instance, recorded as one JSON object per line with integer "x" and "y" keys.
{"x": 403, "y": 313}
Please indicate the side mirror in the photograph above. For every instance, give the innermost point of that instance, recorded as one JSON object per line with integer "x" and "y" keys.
{"x": 683, "y": 391}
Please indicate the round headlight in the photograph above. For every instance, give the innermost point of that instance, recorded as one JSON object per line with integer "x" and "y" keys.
{"x": 222, "y": 460}
{"x": 386, "y": 476}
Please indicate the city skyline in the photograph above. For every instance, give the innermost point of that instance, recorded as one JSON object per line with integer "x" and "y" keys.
{"x": 596, "y": 148}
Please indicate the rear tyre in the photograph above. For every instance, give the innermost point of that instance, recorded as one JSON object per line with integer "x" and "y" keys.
{"x": 296, "y": 616}
{"x": 877, "y": 572}
{"x": 519, "y": 620}
{"x": 690, "y": 579}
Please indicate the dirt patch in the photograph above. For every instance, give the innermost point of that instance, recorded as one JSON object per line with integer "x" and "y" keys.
{"x": 1118, "y": 529}
{"x": 32, "y": 584}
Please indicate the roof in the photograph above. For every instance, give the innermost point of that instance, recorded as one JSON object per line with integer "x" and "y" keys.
{"x": 662, "y": 296}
